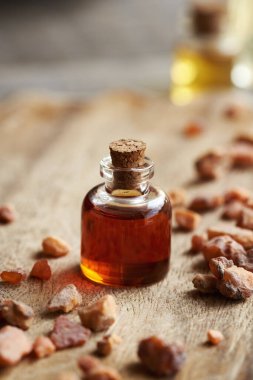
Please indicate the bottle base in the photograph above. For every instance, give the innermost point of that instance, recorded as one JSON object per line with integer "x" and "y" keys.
{"x": 130, "y": 275}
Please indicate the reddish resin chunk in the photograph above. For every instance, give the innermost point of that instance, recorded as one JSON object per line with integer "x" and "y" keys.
{"x": 241, "y": 155}
{"x": 214, "y": 337}
{"x": 197, "y": 243}
{"x": 13, "y": 276}
{"x": 43, "y": 347}
{"x": 241, "y": 235}
{"x": 16, "y": 313}
{"x": 67, "y": 333}
{"x": 7, "y": 214}
{"x": 186, "y": 219}
{"x": 14, "y": 344}
{"x": 212, "y": 164}
{"x": 205, "y": 283}
{"x": 100, "y": 315}
{"x": 41, "y": 270}
{"x": 239, "y": 194}
{"x": 55, "y": 247}
{"x": 160, "y": 358}
{"x": 233, "y": 282}
{"x": 65, "y": 300}
{"x": 177, "y": 197}
{"x": 206, "y": 203}
{"x": 193, "y": 128}
{"x": 224, "y": 246}
{"x": 232, "y": 210}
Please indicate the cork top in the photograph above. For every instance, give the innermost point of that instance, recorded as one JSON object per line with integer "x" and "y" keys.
{"x": 127, "y": 153}
{"x": 207, "y": 17}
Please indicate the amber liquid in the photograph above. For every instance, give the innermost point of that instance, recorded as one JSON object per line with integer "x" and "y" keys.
{"x": 195, "y": 71}
{"x": 124, "y": 246}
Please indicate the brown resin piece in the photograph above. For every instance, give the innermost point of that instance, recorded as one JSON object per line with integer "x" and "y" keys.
{"x": 177, "y": 197}
{"x": 241, "y": 155}
{"x": 68, "y": 334}
{"x": 197, "y": 243}
{"x": 93, "y": 369}
{"x": 41, "y": 270}
{"x": 237, "y": 194}
{"x": 235, "y": 111}
{"x": 55, "y": 247}
{"x": 65, "y": 300}
{"x": 232, "y": 210}
{"x": 212, "y": 164}
{"x": 218, "y": 266}
{"x": 127, "y": 153}
{"x": 234, "y": 282}
{"x": 88, "y": 363}
{"x": 214, "y": 337}
{"x": 224, "y": 246}
{"x": 186, "y": 219}
{"x": 14, "y": 344}
{"x": 43, "y": 347}
{"x": 205, "y": 283}
{"x": 237, "y": 283}
{"x": 106, "y": 345}
{"x": 248, "y": 261}
{"x": 13, "y": 276}
{"x": 249, "y": 203}
{"x": 100, "y": 315}
{"x": 7, "y": 214}
{"x": 160, "y": 358}
{"x": 16, "y": 313}
{"x": 245, "y": 219}
{"x": 206, "y": 203}
{"x": 245, "y": 138}
{"x": 241, "y": 235}
{"x": 193, "y": 129}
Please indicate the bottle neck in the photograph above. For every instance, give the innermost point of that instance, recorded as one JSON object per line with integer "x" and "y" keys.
{"x": 126, "y": 182}
{"x": 207, "y": 19}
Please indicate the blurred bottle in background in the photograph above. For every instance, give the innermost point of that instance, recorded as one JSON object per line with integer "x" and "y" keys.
{"x": 241, "y": 25}
{"x": 205, "y": 55}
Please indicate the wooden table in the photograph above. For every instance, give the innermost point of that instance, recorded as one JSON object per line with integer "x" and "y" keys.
{"x": 49, "y": 157}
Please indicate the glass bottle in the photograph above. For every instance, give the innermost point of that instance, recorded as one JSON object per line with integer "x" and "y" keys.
{"x": 126, "y": 222}
{"x": 203, "y": 59}
{"x": 241, "y": 25}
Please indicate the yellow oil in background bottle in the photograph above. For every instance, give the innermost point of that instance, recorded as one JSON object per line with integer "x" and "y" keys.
{"x": 241, "y": 25}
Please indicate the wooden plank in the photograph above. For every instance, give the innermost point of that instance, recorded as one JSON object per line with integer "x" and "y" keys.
{"x": 47, "y": 168}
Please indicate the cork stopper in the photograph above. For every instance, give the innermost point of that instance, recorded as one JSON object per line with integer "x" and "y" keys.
{"x": 208, "y": 17}
{"x": 127, "y": 153}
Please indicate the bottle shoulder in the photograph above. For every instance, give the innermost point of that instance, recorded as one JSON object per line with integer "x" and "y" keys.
{"x": 147, "y": 205}
{"x": 222, "y": 44}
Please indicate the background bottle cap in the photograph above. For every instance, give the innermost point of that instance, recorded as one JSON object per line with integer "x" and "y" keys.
{"x": 208, "y": 16}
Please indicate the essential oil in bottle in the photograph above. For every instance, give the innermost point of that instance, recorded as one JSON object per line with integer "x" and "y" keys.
{"x": 204, "y": 58}
{"x": 126, "y": 221}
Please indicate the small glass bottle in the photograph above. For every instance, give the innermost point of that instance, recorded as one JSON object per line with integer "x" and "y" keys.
{"x": 203, "y": 59}
{"x": 240, "y": 13}
{"x": 126, "y": 222}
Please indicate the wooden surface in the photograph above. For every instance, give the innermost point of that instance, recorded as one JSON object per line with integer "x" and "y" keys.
{"x": 49, "y": 157}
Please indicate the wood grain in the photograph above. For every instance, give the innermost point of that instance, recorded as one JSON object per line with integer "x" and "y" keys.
{"x": 49, "y": 156}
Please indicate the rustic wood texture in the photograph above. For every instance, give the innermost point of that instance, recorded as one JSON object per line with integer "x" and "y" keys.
{"x": 49, "y": 156}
